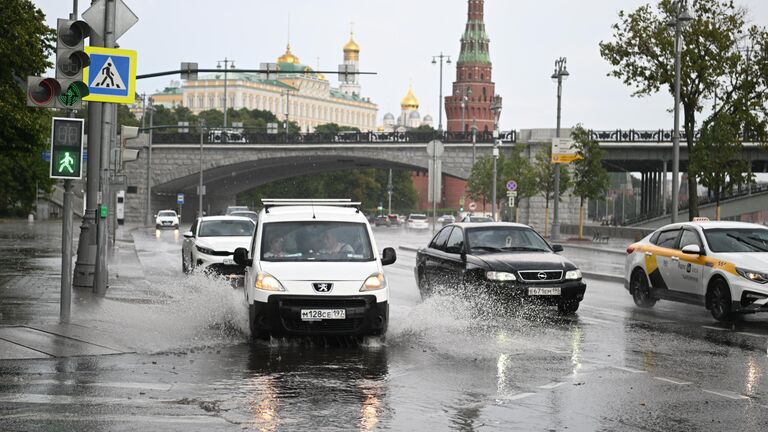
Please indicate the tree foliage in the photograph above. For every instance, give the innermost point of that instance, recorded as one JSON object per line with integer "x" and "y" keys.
{"x": 713, "y": 63}
{"x": 544, "y": 175}
{"x": 590, "y": 178}
{"x": 24, "y": 131}
{"x": 514, "y": 166}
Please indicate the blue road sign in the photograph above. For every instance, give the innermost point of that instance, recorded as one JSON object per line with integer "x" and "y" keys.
{"x": 111, "y": 77}
{"x": 180, "y": 198}
{"x": 511, "y": 185}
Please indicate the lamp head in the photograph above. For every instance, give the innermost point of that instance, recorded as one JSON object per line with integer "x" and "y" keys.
{"x": 434, "y": 61}
{"x": 448, "y": 61}
{"x": 218, "y": 65}
{"x": 565, "y": 74}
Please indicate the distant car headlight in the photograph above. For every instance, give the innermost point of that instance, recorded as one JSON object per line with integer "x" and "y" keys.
{"x": 267, "y": 282}
{"x": 204, "y": 250}
{"x": 754, "y": 276}
{"x": 573, "y": 274}
{"x": 374, "y": 282}
{"x": 500, "y": 276}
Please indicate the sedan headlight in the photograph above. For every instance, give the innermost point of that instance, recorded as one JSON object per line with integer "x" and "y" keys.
{"x": 267, "y": 282}
{"x": 500, "y": 276}
{"x": 374, "y": 282}
{"x": 754, "y": 276}
{"x": 205, "y": 250}
{"x": 573, "y": 274}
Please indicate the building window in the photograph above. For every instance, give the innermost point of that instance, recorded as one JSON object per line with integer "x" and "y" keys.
{"x": 191, "y": 102}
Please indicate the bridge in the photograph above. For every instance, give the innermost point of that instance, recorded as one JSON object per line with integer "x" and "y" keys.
{"x": 254, "y": 159}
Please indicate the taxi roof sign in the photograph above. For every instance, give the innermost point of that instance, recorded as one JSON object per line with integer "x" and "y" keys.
{"x": 700, "y": 219}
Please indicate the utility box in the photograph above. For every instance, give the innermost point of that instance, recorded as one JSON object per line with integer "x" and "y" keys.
{"x": 120, "y": 207}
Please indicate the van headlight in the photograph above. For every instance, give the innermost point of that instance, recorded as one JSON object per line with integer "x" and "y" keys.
{"x": 573, "y": 274}
{"x": 500, "y": 276}
{"x": 374, "y": 282}
{"x": 205, "y": 250}
{"x": 267, "y": 282}
{"x": 754, "y": 276}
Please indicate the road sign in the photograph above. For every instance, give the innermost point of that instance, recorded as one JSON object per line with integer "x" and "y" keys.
{"x": 472, "y": 206}
{"x": 66, "y": 148}
{"x": 124, "y": 17}
{"x": 563, "y": 151}
{"x": 511, "y": 185}
{"x": 435, "y": 180}
{"x": 111, "y": 77}
{"x": 180, "y": 198}
{"x": 510, "y": 201}
{"x": 435, "y": 148}
{"x": 511, "y": 194}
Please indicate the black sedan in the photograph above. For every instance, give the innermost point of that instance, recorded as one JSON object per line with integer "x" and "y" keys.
{"x": 506, "y": 259}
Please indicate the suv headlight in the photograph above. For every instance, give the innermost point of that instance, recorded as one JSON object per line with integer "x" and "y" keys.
{"x": 500, "y": 276}
{"x": 374, "y": 282}
{"x": 267, "y": 282}
{"x": 204, "y": 250}
{"x": 573, "y": 274}
{"x": 754, "y": 276}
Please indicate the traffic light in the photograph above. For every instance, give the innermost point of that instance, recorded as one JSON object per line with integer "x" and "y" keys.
{"x": 42, "y": 92}
{"x": 461, "y": 209}
{"x": 71, "y": 59}
{"x": 66, "y": 148}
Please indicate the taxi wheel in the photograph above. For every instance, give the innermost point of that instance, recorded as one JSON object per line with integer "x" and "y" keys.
{"x": 641, "y": 291}
{"x": 720, "y": 300}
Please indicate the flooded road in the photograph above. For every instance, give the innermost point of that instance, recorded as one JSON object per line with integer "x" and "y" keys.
{"x": 445, "y": 364}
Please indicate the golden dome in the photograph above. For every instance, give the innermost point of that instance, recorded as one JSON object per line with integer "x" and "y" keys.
{"x": 409, "y": 102}
{"x": 288, "y": 57}
{"x": 351, "y": 46}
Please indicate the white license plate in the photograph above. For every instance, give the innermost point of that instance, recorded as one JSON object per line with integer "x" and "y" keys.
{"x": 229, "y": 261}
{"x": 322, "y": 314}
{"x": 544, "y": 291}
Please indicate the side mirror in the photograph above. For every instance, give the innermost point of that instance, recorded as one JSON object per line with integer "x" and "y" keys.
{"x": 557, "y": 247}
{"x": 188, "y": 234}
{"x": 692, "y": 250}
{"x": 241, "y": 257}
{"x": 388, "y": 256}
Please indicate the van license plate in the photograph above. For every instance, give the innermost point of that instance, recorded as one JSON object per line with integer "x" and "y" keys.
{"x": 544, "y": 291}
{"x": 322, "y": 314}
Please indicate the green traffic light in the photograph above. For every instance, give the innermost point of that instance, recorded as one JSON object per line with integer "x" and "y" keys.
{"x": 67, "y": 163}
{"x": 71, "y": 96}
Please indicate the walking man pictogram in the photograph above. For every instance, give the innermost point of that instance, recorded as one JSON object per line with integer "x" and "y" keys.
{"x": 106, "y": 71}
{"x": 67, "y": 162}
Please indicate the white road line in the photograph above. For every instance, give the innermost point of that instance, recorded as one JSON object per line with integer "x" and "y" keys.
{"x": 752, "y": 334}
{"x": 30, "y": 398}
{"x": 726, "y": 394}
{"x": 592, "y": 320}
{"x": 520, "y": 396}
{"x": 552, "y": 385}
{"x": 109, "y": 418}
{"x": 125, "y": 385}
{"x": 673, "y": 381}
{"x": 714, "y": 328}
{"x": 628, "y": 369}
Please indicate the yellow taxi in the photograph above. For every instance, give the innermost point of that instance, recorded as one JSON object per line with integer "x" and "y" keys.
{"x": 720, "y": 265}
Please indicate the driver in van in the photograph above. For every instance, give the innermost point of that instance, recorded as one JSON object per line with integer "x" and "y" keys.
{"x": 332, "y": 246}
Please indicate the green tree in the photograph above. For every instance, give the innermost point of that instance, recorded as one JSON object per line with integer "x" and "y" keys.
{"x": 24, "y": 131}
{"x": 334, "y": 129}
{"x": 544, "y": 175}
{"x": 642, "y": 55}
{"x": 718, "y": 163}
{"x": 590, "y": 178}
{"x": 518, "y": 167}
{"x": 125, "y": 117}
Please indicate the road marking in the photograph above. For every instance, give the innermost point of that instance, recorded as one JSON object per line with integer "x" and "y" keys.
{"x": 673, "y": 381}
{"x": 593, "y": 320}
{"x": 109, "y": 418}
{"x": 31, "y": 398}
{"x": 520, "y": 396}
{"x": 752, "y": 334}
{"x": 727, "y": 394}
{"x": 714, "y": 328}
{"x": 551, "y": 385}
{"x": 125, "y": 385}
{"x": 628, "y": 369}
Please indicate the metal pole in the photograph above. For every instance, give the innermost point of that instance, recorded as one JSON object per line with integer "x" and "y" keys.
{"x": 676, "y": 131}
{"x": 434, "y": 191}
{"x": 493, "y": 191}
{"x": 225, "y": 98}
{"x": 200, "y": 187}
{"x": 440, "y": 101}
{"x": 556, "y": 205}
{"x": 474, "y": 140}
{"x": 287, "y": 112}
{"x": 389, "y": 193}
{"x": 462, "y": 117}
{"x": 149, "y": 165}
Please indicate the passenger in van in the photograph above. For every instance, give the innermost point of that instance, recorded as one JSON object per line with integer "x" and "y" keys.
{"x": 332, "y": 245}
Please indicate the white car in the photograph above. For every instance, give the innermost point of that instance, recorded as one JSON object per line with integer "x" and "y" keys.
{"x": 210, "y": 244}
{"x": 417, "y": 221}
{"x": 166, "y": 219}
{"x": 315, "y": 270}
{"x": 720, "y": 265}
{"x": 232, "y": 209}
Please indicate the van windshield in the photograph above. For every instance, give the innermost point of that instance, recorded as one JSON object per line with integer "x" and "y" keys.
{"x": 315, "y": 241}
{"x": 167, "y": 214}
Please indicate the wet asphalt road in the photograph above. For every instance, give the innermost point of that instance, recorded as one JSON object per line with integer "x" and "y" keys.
{"x": 445, "y": 365}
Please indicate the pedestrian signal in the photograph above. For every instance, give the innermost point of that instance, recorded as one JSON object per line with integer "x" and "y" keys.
{"x": 66, "y": 148}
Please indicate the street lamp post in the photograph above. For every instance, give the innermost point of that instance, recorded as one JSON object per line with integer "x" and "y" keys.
{"x": 464, "y": 98}
{"x": 496, "y": 109}
{"x": 682, "y": 17}
{"x": 201, "y": 125}
{"x": 474, "y": 140}
{"x": 151, "y": 109}
{"x": 227, "y": 65}
{"x": 560, "y": 74}
{"x": 447, "y": 58}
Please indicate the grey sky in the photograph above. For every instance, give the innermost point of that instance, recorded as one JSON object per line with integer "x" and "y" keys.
{"x": 397, "y": 39}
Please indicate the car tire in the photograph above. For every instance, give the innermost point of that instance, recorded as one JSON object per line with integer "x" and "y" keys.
{"x": 568, "y": 307}
{"x": 256, "y": 334}
{"x": 184, "y": 266}
{"x": 425, "y": 288}
{"x": 641, "y": 290}
{"x": 720, "y": 300}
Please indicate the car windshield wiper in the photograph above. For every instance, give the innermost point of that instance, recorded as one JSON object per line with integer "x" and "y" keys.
{"x": 523, "y": 248}
{"x": 749, "y": 241}
{"x": 489, "y": 248}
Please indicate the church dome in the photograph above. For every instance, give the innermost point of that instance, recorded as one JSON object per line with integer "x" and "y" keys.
{"x": 414, "y": 115}
{"x": 427, "y": 118}
{"x": 351, "y": 50}
{"x": 409, "y": 102}
{"x": 288, "y": 57}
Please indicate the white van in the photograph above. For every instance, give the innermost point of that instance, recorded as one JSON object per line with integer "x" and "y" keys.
{"x": 315, "y": 270}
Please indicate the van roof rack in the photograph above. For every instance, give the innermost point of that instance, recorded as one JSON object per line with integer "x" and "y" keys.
{"x": 287, "y": 202}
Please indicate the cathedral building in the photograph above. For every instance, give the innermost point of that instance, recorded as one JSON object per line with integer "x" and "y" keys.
{"x": 409, "y": 117}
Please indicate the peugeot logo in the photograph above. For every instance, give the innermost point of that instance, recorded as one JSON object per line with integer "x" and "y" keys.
{"x": 322, "y": 287}
{"x": 542, "y": 275}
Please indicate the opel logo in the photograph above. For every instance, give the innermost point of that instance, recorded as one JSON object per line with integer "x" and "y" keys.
{"x": 542, "y": 275}
{"x": 322, "y": 287}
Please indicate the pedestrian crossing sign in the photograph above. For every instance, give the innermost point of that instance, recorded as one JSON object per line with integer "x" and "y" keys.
{"x": 111, "y": 77}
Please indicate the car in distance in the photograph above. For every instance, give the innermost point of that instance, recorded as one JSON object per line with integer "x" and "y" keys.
{"x": 166, "y": 219}
{"x": 235, "y": 208}
{"x": 381, "y": 221}
{"x": 719, "y": 265}
{"x": 476, "y": 218}
{"x": 394, "y": 220}
{"x": 417, "y": 221}
{"x": 446, "y": 219}
{"x": 501, "y": 259}
{"x": 314, "y": 270}
{"x": 210, "y": 244}
{"x": 246, "y": 213}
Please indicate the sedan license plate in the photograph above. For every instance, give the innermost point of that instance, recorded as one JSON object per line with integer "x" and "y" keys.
{"x": 322, "y": 314}
{"x": 544, "y": 291}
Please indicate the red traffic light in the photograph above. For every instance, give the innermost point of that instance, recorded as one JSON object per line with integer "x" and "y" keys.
{"x": 42, "y": 92}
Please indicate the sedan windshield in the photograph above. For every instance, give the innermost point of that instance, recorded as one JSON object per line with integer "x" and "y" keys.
{"x": 226, "y": 228}
{"x": 501, "y": 238}
{"x": 167, "y": 214}
{"x": 315, "y": 241}
{"x": 737, "y": 240}
{"x": 417, "y": 217}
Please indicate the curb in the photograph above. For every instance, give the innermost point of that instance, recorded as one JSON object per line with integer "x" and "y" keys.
{"x": 409, "y": 248}
{"x": 603, "y": 277}
{"x": 595, "y": 248}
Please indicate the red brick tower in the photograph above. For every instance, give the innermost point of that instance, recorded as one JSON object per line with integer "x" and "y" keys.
{"x": 473, "y": 77}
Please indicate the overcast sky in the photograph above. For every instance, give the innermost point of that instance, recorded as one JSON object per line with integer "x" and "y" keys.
{"x": 398, "y": 39}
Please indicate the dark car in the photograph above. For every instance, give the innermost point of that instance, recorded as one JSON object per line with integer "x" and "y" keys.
{"x": 508, "y": 260}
